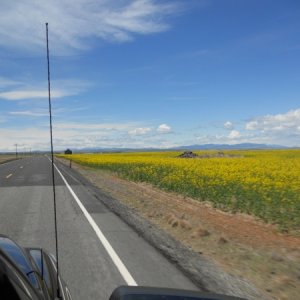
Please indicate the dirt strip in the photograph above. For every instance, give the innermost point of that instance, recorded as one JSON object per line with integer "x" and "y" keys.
{"x": 4, "y": 159}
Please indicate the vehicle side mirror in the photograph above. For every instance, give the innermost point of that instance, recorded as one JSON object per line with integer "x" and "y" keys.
{"x": 38, "y": 257}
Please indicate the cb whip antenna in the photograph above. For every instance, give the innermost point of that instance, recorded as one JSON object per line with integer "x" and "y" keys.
{"x": 52, "y": 163}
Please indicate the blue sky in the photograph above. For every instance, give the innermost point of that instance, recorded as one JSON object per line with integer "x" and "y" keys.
{"x": 146, "y": 73}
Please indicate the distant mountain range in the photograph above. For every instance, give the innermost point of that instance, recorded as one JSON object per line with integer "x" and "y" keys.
{"x": 229, "y": 147}
{"x": 242, "y": 146}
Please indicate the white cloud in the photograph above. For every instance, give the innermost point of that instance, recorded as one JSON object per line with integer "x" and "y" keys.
{"x": 60, "y": 89}
{"x": 30, "y": 113}
{"x": 279, "y": 129}
{"x": 228, "y": 125}
{"x": 77, "y": 135}
{"x": 31, "y": 94}
{"x": 251, "y": 125}
{"x": 283, "y": 129}
{"x": 234, "y": 137}
{"x": 95, "y": 126}
{"x": 287, "y": 122}
{"x": 234, "y": 134}
{"x": 72, "y": 23}
{"x": 164, "y": 128}
{"x": 139, "y": 131}
{"x": 214, "y": 139}
{"x": 74, "y": 135}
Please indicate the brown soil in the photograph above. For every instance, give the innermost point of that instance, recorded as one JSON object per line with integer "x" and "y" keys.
{"x": 238, "y": 243}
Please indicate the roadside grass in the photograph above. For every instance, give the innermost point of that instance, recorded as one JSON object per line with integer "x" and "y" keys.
{"x": 6, "y": 157}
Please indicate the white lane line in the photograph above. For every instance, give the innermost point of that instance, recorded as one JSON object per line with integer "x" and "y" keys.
{"x": 8, "y": 176}
{"x": 111, "y": 252}
{"x": 21, "y": 167}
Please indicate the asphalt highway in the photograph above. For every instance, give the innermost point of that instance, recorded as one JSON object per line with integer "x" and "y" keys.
{"x": 97, "y": 250}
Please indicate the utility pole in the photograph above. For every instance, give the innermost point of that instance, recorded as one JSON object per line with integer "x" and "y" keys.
{"x": 16, "y": 150}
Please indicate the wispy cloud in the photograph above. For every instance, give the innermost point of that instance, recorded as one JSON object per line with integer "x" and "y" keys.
{"x": 95, "y": 126}
{"x": 30, "y": 113}
{"x": 139, "y": 131}
{"x": 281, "y": 129}
{"x": 31, "y": 94}
{"x": 164, "y": 128}
{"x": 234, "y": 134}
{"x": 228, "y": 125}
{"x": 82, "y": 135}
{"x": 61, "y": 88}
{"x": 73, "y": 23}
{"x": 286, "y": 122}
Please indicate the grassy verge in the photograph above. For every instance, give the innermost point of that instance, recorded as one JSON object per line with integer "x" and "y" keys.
{"x": 5, "y": 158}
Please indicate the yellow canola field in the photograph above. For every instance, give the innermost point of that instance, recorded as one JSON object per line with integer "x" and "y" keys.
{"x": 262, "y": 183}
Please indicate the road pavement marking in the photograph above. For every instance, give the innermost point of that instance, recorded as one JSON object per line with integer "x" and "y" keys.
{"x": 21, "y": 167}
{"x": 111, "y": 252}
{"x": 8, "y": 176}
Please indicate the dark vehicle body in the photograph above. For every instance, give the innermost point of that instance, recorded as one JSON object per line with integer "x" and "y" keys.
{"x": 155, "y": 293}
{"x": 31, "y": 274}
{"x": 28, "y": 273}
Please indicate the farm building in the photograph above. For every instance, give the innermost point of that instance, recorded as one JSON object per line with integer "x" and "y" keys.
{"x": 68, "y": 151}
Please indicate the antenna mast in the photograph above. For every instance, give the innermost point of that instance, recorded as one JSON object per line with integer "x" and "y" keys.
{"x": 52, "y": 163}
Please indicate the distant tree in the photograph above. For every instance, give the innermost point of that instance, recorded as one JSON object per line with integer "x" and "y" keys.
{"x": 68, "y": 151}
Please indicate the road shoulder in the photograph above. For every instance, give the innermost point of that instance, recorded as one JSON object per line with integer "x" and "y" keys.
{"x": 201, "y": 270}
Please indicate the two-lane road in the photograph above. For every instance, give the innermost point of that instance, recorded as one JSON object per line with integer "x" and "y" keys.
{"x": 91, "y": 264}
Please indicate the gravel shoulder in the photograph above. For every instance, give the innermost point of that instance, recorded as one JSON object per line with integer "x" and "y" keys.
{"x": 200, "y": 240}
